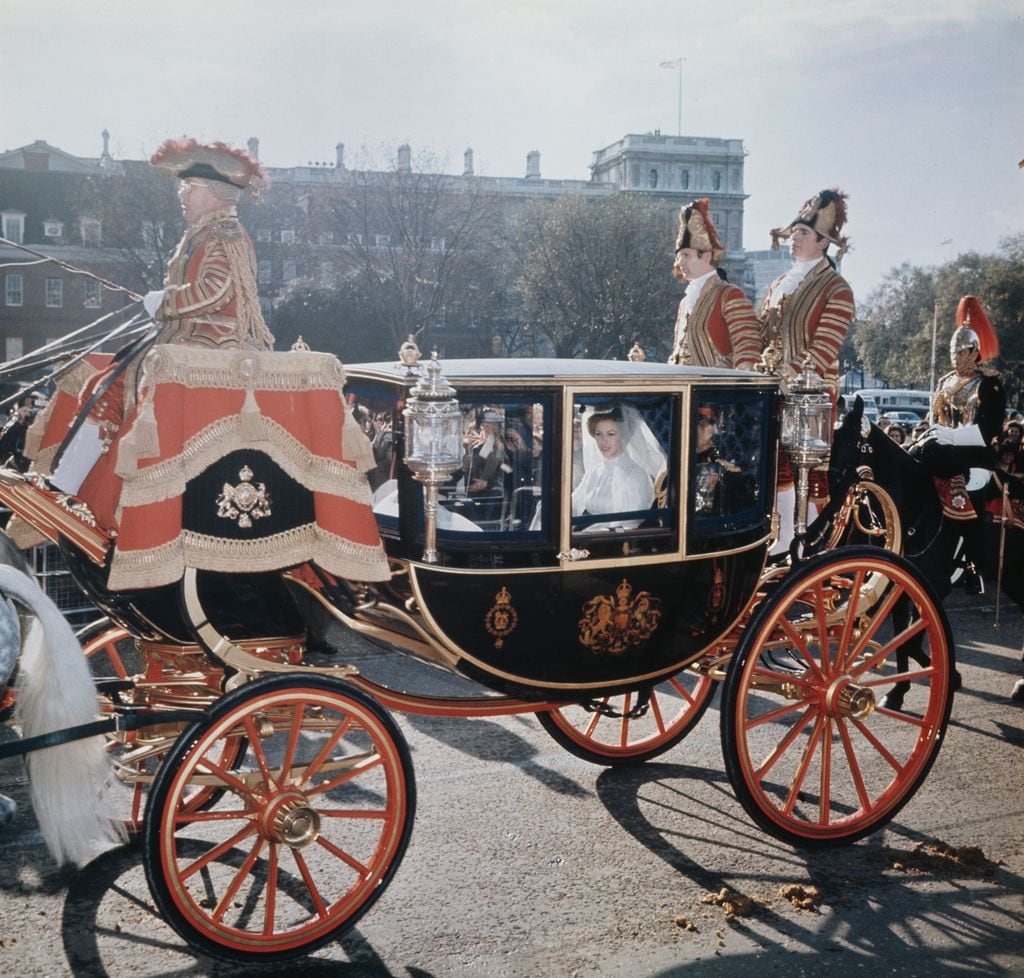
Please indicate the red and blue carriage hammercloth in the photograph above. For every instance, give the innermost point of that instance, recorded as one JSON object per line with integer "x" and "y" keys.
{"x": 237, "y": 461}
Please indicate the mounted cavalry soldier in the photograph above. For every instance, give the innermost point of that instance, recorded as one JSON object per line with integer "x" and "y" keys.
{"x": 716, "y": 325}
{"x": 968, "y": 409}
{"x": 807, "y": 312}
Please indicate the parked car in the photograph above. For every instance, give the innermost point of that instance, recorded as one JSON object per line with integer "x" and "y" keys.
{"x": 903, "y": 417}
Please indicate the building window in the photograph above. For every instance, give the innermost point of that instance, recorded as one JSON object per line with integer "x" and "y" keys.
{"x": 716, "y": 219}
{"x": 287, "y": 236}
{"x": 684, "y": 179}
{"x": 14, "y": 227}
{"x": 288, "y": 273}
{"x": 437, "y": 244}
{"x": 262, "y": 235}
{"x": 326, "y": 237}
{"x": 91, "y": 231}
{"x": 14, "y": 290}
{"x": 263, "y": 273}
{"x": 354, "y": 239}
{"x": 716, "y": 180}
{"x": 93, "y": 294}
{"x": 326, "y": 275}
{"x": 652, "y": 178}
{"x": 382, "y": 240}
{"x": 53, "y": 229}
{"x": 14, "y": 347}
{"x": 54, "y": 293}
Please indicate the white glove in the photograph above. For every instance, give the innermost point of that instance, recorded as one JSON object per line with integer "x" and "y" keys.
{"x": 968, "y": 435}
{"x": 152, "y": 301}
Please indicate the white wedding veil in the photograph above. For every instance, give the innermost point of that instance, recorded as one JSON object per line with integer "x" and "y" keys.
{"x": 638, "y": 441}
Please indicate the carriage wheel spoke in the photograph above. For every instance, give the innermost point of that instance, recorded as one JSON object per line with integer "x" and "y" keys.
{"x": 362, "y": 870}
{"x": 240, "y": 877}
{"x": 326, "y": 751}
{"x": 890, "y": 647}
{"x": 311, "y": 887}
{"x": 851, "y": 759}
{"x": 367, "y": 763}
{"x": 273, "y": 858}
{"x": 797, "y": 639}
{"x": 784, "y": 744}
{"x": 776, "y": 714}
{"x": 256, "y": 745}
{"x": 627, "y": 703}
{"x": 805, "y": 762}
{"x": 682, "y": 690}
{"x": 880, "y": 747}
{"x": 825, "y": 788}
{"x": 849, "y": 621}
{"x": 900, "y": 677}
{"x": 879, "y": 617}
{"x": 656, "y": 712}
{"x": 819, "y": 615}
{"x": 595, "y": 719}
{"x": 217, "y": 851}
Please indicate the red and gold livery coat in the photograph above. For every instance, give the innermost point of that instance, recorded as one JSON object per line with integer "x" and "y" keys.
{"x": 721, "y": 330}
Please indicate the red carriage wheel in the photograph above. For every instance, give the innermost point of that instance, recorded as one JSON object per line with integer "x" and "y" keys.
{"x": 604, "y": 733}
{"x": 813, "y": 756}
{"x": 304, "y": 837}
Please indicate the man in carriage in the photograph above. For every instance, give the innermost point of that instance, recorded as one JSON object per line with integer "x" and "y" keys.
{"x": 807, "y": 312}
{"x": 716, "y": 325}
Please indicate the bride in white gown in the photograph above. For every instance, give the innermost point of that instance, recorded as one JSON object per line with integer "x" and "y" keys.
{"x": 621, "y": 460}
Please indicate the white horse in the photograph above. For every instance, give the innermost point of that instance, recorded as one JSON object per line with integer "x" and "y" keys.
{"x": 70, "y": 784}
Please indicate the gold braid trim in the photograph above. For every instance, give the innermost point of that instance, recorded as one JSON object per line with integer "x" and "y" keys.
{"x": 192, "y": 366}
{"x": 166, "y": 564}
{"x": 251, "y": 325}
{"x": 166, "y": 479}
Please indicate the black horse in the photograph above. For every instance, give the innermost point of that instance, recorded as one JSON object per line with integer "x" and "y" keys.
{"x": 929, "y": 538}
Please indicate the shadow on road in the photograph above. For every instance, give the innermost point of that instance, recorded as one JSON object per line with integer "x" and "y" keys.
{"x": 927, "y": 917}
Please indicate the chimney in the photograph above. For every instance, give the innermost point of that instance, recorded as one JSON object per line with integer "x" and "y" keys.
{"x": 533, "y": 165}
{"x": 254, "y": 147}
{"x": 404, "y": 158}
{"x": 105, "y": 159}
{"x": 467, "y": 165}
{"x": 339, "y": 156}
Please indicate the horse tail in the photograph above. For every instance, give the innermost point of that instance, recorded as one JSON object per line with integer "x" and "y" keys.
{"x": 69, "y": 784}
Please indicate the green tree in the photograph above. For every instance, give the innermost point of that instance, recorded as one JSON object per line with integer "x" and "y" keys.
{"x": 595, "y": 275}
{"x": 894, "y": 337}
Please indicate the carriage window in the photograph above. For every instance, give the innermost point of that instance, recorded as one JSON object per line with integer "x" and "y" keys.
{"x": 621, "y": 474}
{"x": 729, "y": 461}
{"x": 499, "y": 487}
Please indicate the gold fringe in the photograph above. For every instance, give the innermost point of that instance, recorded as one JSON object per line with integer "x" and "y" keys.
{"x": 166, "y": 479}
{"x": 166, "y": 564}
{"x": 192, "y": 366}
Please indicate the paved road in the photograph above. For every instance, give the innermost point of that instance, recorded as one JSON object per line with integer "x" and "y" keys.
{"x": 527, "y": 862}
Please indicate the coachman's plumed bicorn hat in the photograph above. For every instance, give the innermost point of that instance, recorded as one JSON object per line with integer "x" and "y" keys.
{"x": 825, "y": 214}
{"x": 697, "y": 231}
{"x": 190, "y": 159}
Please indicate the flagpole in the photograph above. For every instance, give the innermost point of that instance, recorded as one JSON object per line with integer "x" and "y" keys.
{"x": 679, "y": 121}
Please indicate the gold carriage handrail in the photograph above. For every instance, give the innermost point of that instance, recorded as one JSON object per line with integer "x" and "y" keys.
{"x": 54, "y": 514}
{"x": 891, "y": 529}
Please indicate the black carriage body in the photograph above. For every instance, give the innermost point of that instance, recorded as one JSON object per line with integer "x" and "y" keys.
{"x": 536, "y": 599}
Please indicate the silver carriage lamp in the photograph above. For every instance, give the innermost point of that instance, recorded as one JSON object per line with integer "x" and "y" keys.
{"x": 806, "y": 433}
{"x": 433, "y": 442}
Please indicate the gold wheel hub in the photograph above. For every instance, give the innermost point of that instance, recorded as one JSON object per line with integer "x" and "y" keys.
{"x": 846, "y": 699}
{"x": 289, "y": 819}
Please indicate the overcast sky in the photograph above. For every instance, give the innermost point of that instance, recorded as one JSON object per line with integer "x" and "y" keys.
{"x": 914, "y": 107}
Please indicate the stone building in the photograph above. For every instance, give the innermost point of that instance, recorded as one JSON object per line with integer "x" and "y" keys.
{"x": 297, "y": 229}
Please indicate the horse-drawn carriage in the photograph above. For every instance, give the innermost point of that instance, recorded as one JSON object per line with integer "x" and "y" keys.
{"x": 275, "y": 797}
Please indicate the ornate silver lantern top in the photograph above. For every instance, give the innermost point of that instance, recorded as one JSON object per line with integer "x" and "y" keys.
{"x": 433, "y": 441}
{"x": 807, "y": 418}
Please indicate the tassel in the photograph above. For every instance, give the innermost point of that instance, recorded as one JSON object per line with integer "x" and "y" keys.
{"x": 250, "y": 419}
